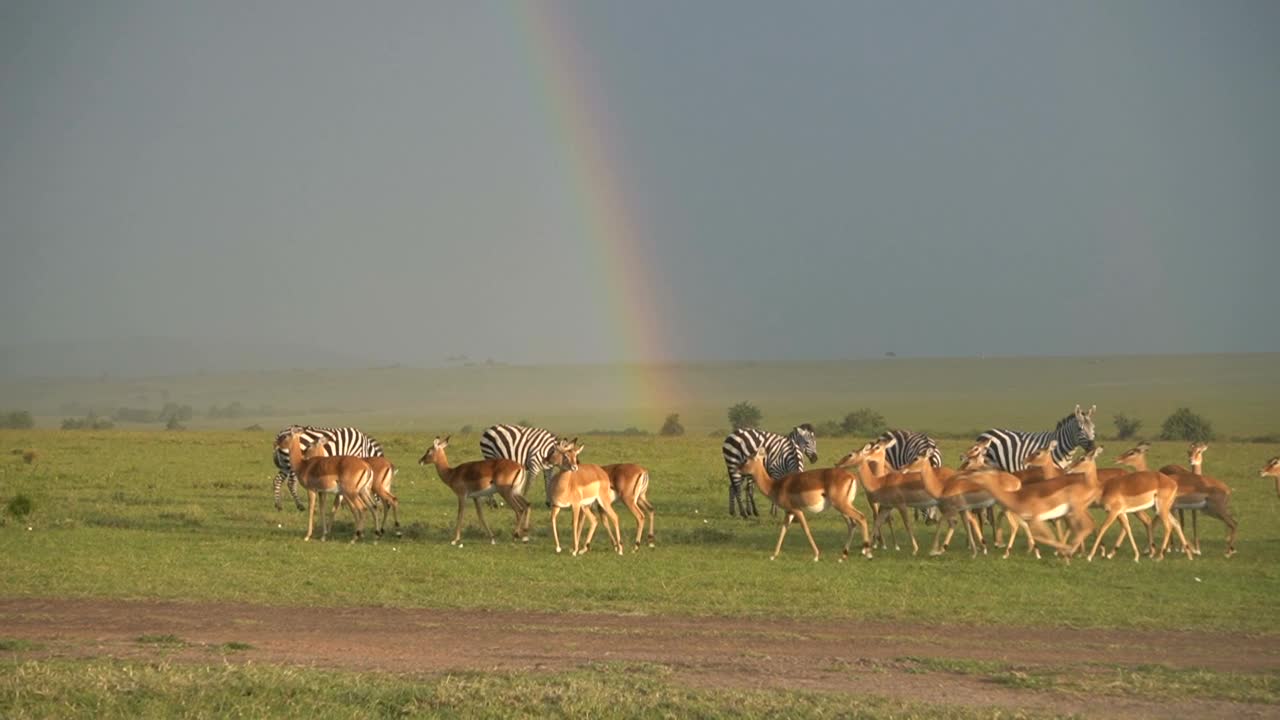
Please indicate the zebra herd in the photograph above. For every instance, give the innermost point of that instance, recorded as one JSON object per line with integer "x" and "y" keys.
{"x": 782, "y": 455}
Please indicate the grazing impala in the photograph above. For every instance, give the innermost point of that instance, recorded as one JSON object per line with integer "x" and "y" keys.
{"x": 1272, "y": 468}
{"x": 1136, "y": 492}
{"x": 477, "y": 479}
{"x": 578, "y": 486}
{"x": 813, "y": 491}
{"x": 345, "y": 476}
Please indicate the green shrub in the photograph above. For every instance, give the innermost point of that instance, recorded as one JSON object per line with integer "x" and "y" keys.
{"x": 1126, "y": 427}
{"x": 864, "y": 422}
{"x": 20, "y": 506}
{"x": 671, "y": 427}
{"x": 1186, "y": 425}
{"x": 17, "y": 420}
{"x": 744, "y": 414}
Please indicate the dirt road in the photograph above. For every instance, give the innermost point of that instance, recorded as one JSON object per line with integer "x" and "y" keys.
{"x": 855, "y": 657}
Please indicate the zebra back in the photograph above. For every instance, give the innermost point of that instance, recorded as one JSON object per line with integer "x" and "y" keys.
{"x": 783, "y": 455}
{"x": 528, "y": 446}
{"x": 337, "y": 441}
{"x": 908, "y": 446}
{"x": 1009, "y": 449}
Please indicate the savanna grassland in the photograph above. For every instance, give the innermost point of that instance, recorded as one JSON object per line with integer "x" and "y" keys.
{"x": 139, "y": 525}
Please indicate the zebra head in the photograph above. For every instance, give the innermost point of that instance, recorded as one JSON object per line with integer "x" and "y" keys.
{"x": 805, "y": 440}
{"x": 1084, "y": 431}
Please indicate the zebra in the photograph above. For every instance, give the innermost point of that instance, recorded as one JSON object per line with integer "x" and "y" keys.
{"x": 528, "y": 446}
{"x": 337, "y": 441}
{"x": 908, "y": 447}
{"x": 783, "y": 455}
{"x": 1009, "y": 449}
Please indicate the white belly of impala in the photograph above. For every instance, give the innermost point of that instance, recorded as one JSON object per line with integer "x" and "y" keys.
{"x": 818, "y": 506}
{"x": 1143, "y": 506}
{"x": 1056, "y": 512}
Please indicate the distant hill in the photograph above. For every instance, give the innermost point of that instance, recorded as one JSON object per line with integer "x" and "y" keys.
{"x": 151, "y": 357}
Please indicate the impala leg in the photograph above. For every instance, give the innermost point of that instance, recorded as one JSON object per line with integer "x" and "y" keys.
{"x": 1124, "y": 520}
{"x": 805, "y": 525}
{"x": 311, "y": 514}
{"x": 326, "y": 521}
{"x": 852, "y": 516}
{"x": 1045, "y": 537}
{"x": 1112, "y": 515}
{"x": 906, "y": 522}
{"x": 1014, "y": 526}
{"x": 648, "y": 508}
{"x": 639, "y": 516}
{"x": 1195, "y": 530}
{"x": 577, "y": 526}
{"x": 457, "y": 530}
{"x": 782, "y": 534}
{"x": 483, "y": 524}
{"x": 945, "y": 524}
{"x": 612, "y": 517}
{"x": 974, "y": 529}
{"x": 1172, "y": 525}
{"x": 1148, "y": 523}
{"x": 555, "y": 531}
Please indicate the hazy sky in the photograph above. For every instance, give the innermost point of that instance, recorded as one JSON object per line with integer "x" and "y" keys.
{"x": 806, "y": 180}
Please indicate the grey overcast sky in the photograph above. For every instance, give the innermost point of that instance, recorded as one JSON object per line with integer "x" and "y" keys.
{"x": 806, "y": 179}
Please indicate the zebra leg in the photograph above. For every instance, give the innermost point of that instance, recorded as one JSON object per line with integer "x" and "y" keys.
{"x": 293, "y": 491}
{"x": 751, "y": 499}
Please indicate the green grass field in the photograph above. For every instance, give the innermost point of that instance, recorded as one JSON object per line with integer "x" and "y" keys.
{"x": 189, "y": 516}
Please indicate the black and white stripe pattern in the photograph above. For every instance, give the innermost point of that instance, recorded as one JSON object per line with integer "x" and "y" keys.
{"x": 337, "y": 441}
{"x": 783, "y": 455}
{"x": 528, "y": 446}
{"x": 1009, "y": 449}
{"x": 908, "y": 446}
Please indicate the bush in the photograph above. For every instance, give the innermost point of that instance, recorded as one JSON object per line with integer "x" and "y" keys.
{"x": 88, "y": 422}
{"x": 744, "y": 414}
{"x": 465, "y": 430}
{"x": 1126, "y": 427}
{"x": 20, "y": 506}
{"x": 864, "y": 422}
{"x": 1186, "y": 425}
{"x": 17, "y": 420}
{"x": 829, "y": 428}
{"x": 671, "y": 427}
{"x": 173, "y": 424}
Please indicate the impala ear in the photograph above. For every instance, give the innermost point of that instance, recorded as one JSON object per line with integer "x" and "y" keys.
{"x": 1092, "y": 409}
{"x": 580, "y": 447}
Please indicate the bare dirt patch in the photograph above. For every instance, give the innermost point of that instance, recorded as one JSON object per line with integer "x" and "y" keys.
{"x": 853, "y": 657}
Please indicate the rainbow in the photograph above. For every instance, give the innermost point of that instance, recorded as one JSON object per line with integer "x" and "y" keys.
{"x": 611, "y": 230}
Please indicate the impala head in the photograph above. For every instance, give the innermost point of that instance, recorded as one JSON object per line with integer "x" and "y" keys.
{"x": 1272, "y": 468}
{"x": 437, "y": 447}
{"x": 976, "y": 456}
{"x": 1132, "y": 455}
{"x": 1086, "y": 461}
{"x": 1044, "y": 456}
{"x": 921, "y": 462}
{"x": 861, "y": 455}
{"x": 1084, "y": 427}
{"x": 564, "y": 455}
{"x": 1195, "y": 453}
{"x": 805, "y": 439}
{"x": 754, "y": 464}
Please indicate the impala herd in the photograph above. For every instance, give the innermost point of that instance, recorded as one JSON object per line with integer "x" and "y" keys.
{"x": 1030, "y": 499}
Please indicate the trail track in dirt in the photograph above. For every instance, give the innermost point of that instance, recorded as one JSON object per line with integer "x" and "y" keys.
{"x": 845, "y": 656}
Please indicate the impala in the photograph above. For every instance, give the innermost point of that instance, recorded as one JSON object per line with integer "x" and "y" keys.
{"x": 962, "y": 496}
{"x": 1199, "y": 492}
{"x": 383, "y": 473}
{"x": 813, "y": 491}
{"x": 1272, "y": 468}
{"x": 630, "y": 484}
{"x": 578, "y": 486}
{"x": 888, "y": 489}
{"x": 1034, "y": 503}
{"x": 344, "y": 476}
{"x": 478, "y": 479}
{"x": 1136, "y": 492}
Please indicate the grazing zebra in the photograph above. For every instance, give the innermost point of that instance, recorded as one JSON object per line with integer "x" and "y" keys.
{"x": 1009, "y": 449}
{"x": 337, "y": 441}
{"x": 783, "y": 455}
{"x": 526, "y": 445}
